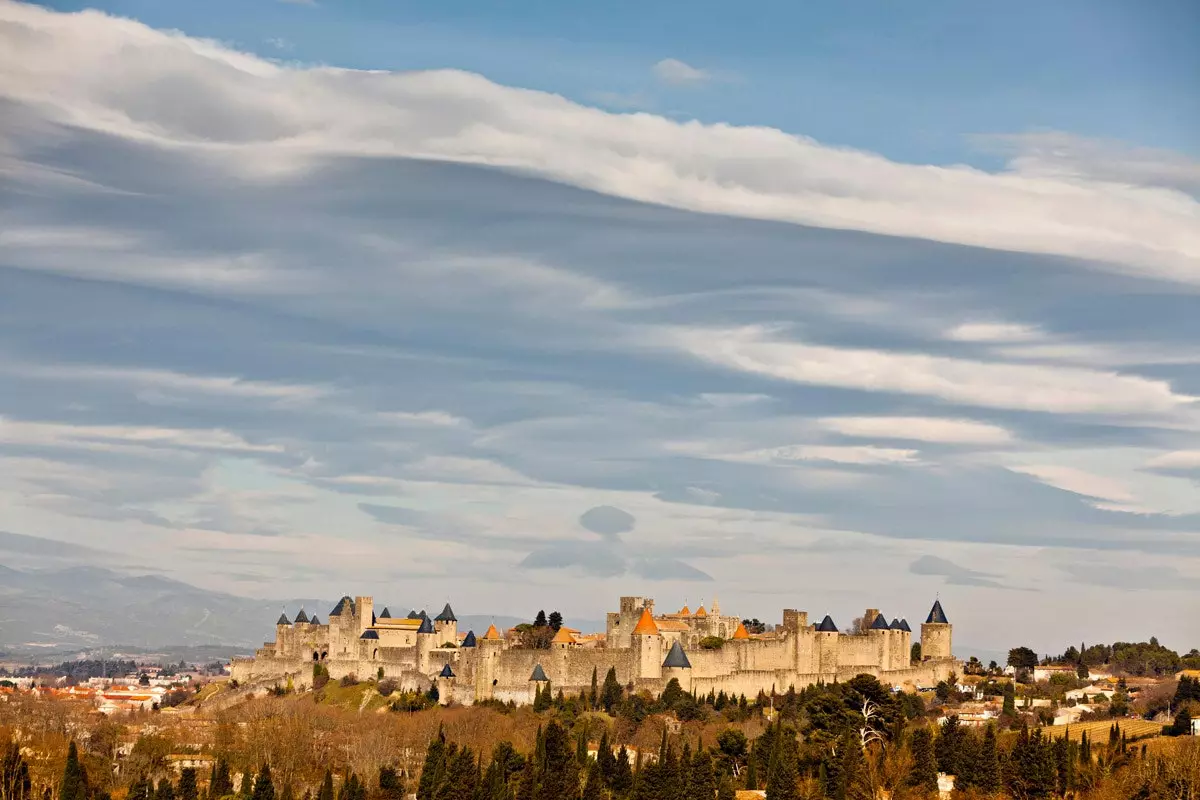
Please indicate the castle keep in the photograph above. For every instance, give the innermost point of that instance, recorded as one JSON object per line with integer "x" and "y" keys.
{"x": 703, "y": 650}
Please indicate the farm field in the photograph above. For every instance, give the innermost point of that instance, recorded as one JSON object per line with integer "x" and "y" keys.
{"x": 1097, "y": 730}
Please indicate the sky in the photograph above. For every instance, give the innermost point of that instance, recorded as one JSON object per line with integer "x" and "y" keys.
{"x": 813, "y": 306}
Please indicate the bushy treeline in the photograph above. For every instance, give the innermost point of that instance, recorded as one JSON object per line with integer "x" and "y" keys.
{"x": 1133, "y": 658}
{"x": 78, "y": 670}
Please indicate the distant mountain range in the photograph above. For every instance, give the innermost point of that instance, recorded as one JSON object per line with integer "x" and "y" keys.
{"x": 85, "y": 608}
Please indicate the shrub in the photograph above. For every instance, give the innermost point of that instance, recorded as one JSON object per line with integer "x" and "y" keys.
{"x": 350, "y": 680}
{"x": 386, "y": 687}
{"x": 712, "y": 643}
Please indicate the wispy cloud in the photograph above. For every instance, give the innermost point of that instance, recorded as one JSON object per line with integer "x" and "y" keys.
{"x": 674, "y": 72}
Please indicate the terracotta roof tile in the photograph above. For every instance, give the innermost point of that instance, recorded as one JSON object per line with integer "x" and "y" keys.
{"x": 646, "y": 626}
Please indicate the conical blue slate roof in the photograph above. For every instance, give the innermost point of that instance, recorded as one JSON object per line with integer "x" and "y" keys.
{"x": 904, "y": 626}
{"x": 469, "y": 639}
{"x": 677, "y": 659}
{"x": 426, "y": 626}
{"x": 301, "y": 617}
{"x": 283, "y": 620}
{"x": 374, "y": 619}
{"x": 344, "y": 604}
{"x": 413, "y": 615}
{"x": 895, "y": 626}
{"x": 446, "y": 672}
{"x": 827, "y": 625}
{"x": 880, "y": 623}
{"x": 385, "y": 614}
{"x": 936, "y": 614}
{"x": 447, "y": 615}
{"x": 369, "y": 635}
{"x": 539, "y": 674}
{"x": 314, "y": 620}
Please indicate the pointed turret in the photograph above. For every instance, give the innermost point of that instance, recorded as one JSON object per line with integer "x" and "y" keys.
{"x": 677, "y": 659}
{"x": 827, "y": 625}
{"x": 283, "y": 620}
{"x": 413, "y": 615}
{"x": 385, "y": 614}
{"x": 446, "y": 672}
{"x": 685, "y": 611}
{"x": 741, "y": 632}
{"x": 539, "y": 674}
{"x": 491, "y": 634}
{"x": 369, "y": 635}
{"x": 301, "y": 618}
{"x": 447, "y": 615}
{"x": 344, "y": 606}
{"x": 426, "y": 626}
{"x": 895, "y": 626}
{"x": 936, "y": 634}
{"x": 646, "y": 626}
{"x": 904, "y": 626}
{"x": 700, "y": 612}
{"x": 314, "y": 620}
{"x": 469, "y": 639}
{"x": 937, "y": 615}
{"x": 880, "y": 623}
{"x": 716, "y": 606}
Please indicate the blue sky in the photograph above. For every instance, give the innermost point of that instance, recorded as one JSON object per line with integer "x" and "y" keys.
{"x": 536, "y": 308}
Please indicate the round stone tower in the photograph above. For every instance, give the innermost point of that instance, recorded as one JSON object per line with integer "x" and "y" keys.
{"x": 935, "y": 635}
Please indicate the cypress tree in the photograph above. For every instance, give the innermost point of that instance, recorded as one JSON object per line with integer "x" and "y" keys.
{"x": 949, "y": 746}
{"x": 164, "y": 790}
{"x": 622, "y": 780}
{"x": 326, "y": 792}
{"x": 594, "y": 694}
{"x": 852, "y": 766}
{"x": 726, "y": 791}
{"x": 581, "y": 749}
{"x": 264, "y": 788}
{"x": 1010, "y": 700}
{"x": 527, "y": 790}
{"x": 782, "y": 773}
{"x": 606, "y": 761}
{"x": 612, "y": 693}
{"x": 593, "y": 788}
{"x": 987, "y": 773}
{"x": 702, "y": 780}
{"x": 460, "y": 778}
{"x": 187, "y": 785}
{"x": 222, "y": 784}
{"x": 751, "y": 776}
{"x": 74, "y": 780}
{"x": 431, "y": 771}
{"x": 924, "y": 770}
{"x": 141, "y": 789}
{"x": 391, "y": 785}
{"x": 559, "y": 772}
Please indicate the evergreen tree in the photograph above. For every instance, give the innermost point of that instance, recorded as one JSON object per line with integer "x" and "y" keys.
{"x": 431, "y": 772}
{"x": 581, "y": 749}
{"x": 924, "y": 769}
{"x": 222, "y": 781}
{"x": 751, "y": 774}
{"x": 244, "y": 785}
{"x": 987, "y": 771}
{"x": 164, "y": 790}
{"x": 726, "y": 791}
{"x": 702, "y": 780}
{"x": 1085, "y": 749}
{"x": 593, "y": 788}
{"x": 74, "y": 781}
{"x": 15, "y": 783}
{"x": 540, "y": 620}
{"x": 460, "y": 778}
{"x": 140, "y": 789}
{"x": 1031, "y": 770}
{"x": 594, "y": 694}
{"x": 543, "y": 699}
{"x": 391, "y": 785}
{"x": 558, "y": 777}
{"x": 853, "y": 767}
{"x": 622, "y": 780}
{"x": 612, "y": 692}
{"x": 1010, "y": 700}
{"x": 187, "y": 785}
{"x": 326, "y": 792}
{"x": 555, "y": 621}
{"x": 288, "y": 792}
{"x": 264, "y": 789}
{"x": 493, "y": 785}
{"x": 782, "y": 773}
{"x": 606, "y": 760}
{"x": 527, "y": 790}
{"x": 1182, "y": 726}
{"x": 949, "y": 746}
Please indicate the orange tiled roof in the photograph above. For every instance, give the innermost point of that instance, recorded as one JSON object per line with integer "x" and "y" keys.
{"x": 678, "y": 626}
{"x": 741, "y": 632}
{"x": 685, "y": 611}
{"x": 700, "y": 612}
{"x": 492, "y": 633}
{"x": 646, "y": 624}
{"x": 563, "y": 637}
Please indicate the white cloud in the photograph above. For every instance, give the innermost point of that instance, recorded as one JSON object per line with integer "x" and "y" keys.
{"x": 1078, "y": 481}
{"x": 259, "y": 120}
{"x": 674, "y": 72}
{"x": 123, "y": 437}
{"x": 924, "y": 429}
{"x": 993, "y": 332}
{"x": 1179, "y": 459}
{"x": 987, "y": 384}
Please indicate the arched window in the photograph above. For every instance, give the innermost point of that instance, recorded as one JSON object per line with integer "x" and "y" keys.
{"x": 375, "y": 655}
{"x": 316, "y": 656}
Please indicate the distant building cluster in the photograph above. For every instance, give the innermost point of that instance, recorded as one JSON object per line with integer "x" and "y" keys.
{"x": 702, "y": 649}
